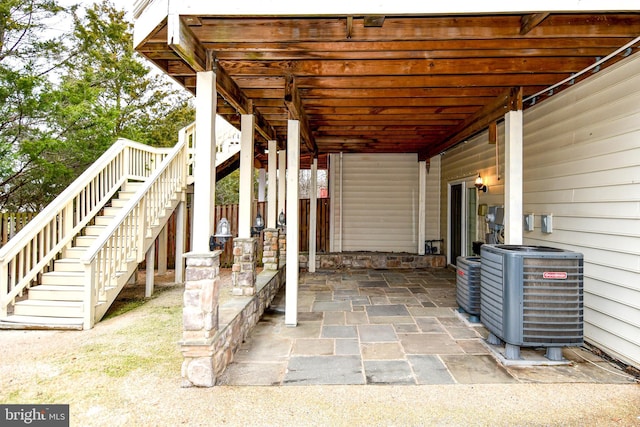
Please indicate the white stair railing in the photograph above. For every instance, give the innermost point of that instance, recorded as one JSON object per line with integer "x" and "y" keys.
{"x": 32, "y": 251}
{"x": 113, "y": 257}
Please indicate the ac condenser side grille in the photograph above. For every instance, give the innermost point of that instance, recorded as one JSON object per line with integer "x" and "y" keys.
{"x": 492, "y": 293}
{"x": 468, "y": 284}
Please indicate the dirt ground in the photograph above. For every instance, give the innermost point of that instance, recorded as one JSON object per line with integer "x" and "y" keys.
{"x": 126, "y": 372}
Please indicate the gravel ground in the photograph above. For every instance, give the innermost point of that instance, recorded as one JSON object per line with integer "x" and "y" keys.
{"x": 126, "y": 371}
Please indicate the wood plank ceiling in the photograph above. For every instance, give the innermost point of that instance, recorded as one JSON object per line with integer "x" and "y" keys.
{"x": 384, "y": 83}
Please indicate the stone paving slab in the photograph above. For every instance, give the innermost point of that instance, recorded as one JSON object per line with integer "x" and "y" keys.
{"x": 388, "y": 372}
{"x": 324, "y": 370}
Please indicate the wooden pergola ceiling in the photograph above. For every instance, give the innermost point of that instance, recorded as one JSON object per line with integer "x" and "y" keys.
{"x": 383, "y": 83}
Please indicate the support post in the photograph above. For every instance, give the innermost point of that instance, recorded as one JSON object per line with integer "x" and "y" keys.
{"x": 163, "y": 239}
{"x": 513, "y": 178}
{"x": 150, "y": 262}
{"x": 313, "y": 215}
{"x": 272, "y": 189}
{"x": 245, "y": 204}
{"x": 293, "y": 166}
{"x": 181, "y": 230}
{"x": 422, "y": 206}
{"x": 262, "y": 183}
{"x": 282, "y": 181}
{"x": 205, "y": 155}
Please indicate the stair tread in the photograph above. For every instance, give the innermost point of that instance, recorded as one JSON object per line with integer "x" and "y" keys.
{"x": 16, "y": 321}
{"x": 69, "y": 288}
{"x": 64, "y": 273}
{"x": 43, "y": 303}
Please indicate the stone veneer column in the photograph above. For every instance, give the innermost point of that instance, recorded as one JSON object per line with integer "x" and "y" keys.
{"x": 200, "y": 318}
{"x": 243, "y": 272}
{"x": 282, "y": 244}
{"x": 271, "y": 249}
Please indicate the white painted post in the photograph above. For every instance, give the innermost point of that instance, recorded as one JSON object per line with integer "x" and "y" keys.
{"x": 422, "y": 205}
{"x": 150, "y": 260}
{"x": 163, "y": 239}
{"x": 293, "y": 166}
{"x": 513, "y": 178}
{"x": 181, "y": 227}
{"x": 205, "y": 160}
{"x": 262, "y": 183}
{"x": 313, "y": 216}
{"x": 272, "y": 207}
{"x": 282, "y": 181}
{"x": 245, "y": 203}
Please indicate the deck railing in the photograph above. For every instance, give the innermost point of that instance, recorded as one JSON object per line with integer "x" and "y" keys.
{"x": 113, "y": 256}
{"x": 32, "y": 251}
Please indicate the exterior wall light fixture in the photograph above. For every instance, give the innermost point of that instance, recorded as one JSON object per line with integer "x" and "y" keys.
{"x": 219, "y": 239}
{"x": 480, "y": 184}
{"x": 258, "y": 225}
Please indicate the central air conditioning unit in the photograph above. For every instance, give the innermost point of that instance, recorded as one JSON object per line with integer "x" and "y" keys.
{"x": 532, "y": 296}
{"x": 468, "y": 286}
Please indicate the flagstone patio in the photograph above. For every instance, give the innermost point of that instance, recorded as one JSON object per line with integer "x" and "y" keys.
{"x": 366, "y": 326}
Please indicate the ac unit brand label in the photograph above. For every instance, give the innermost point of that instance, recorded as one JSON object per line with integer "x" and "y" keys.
{"x": 557, "y": 275}
{"x": 460, "y": 273}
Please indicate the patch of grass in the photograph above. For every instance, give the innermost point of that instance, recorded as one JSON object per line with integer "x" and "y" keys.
{"x": 124, "y": 304}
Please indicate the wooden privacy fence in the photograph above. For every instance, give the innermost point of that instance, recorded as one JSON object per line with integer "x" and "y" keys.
{"x": 231, "y": 213}
{"x": 12, "y": 223}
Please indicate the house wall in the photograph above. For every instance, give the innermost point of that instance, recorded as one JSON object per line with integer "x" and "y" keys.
{"x": 581, "y": 164}
{"x": 375, "y": 202}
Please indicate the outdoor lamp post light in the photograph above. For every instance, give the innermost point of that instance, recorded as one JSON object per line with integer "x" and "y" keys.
{"x": 258, "y": 225}
{"x": 220, "y": 238}
{"x": 480, "y": 185}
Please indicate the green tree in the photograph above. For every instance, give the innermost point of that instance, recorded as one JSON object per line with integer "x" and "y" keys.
{"x": 63, "y": 109}
{"x": 26, "y": 60}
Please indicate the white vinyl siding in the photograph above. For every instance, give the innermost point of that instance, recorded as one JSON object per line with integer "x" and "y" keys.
{"x": 581, "y": 164}
{"x": 376, "y": 202}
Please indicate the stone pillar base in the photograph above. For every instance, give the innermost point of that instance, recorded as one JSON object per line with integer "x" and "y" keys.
{"x": 243, "y": 272}
{"x": 198, "y": 368}
{"x": 282, "y": 244}
{"x": 271, "y": 249}
{"x": 200, "y": 318}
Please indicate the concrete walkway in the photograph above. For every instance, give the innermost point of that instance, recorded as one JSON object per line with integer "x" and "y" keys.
{"x": 392, "y": 327}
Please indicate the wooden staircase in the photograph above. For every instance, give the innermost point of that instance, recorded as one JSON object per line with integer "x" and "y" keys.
{"x": 57, "y": 302}
{"x": 67, "y": 265}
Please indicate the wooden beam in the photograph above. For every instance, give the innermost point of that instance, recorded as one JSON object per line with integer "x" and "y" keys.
{"x": 184, "y": 43}
{"x": 296, "y": 110}
{"x": 232, "y": 93}
{"x": 529, "y": 22}
{"x": 511, "y": 100}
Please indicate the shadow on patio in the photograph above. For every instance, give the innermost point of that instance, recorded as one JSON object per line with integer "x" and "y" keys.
{"x": 390, "y": 327}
